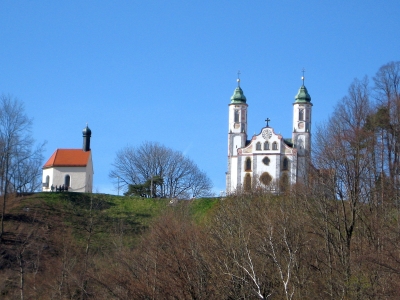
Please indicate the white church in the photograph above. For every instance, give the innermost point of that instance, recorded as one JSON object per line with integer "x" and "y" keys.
{"x": 70, "y": 169}
{"x": 268, "y": 160}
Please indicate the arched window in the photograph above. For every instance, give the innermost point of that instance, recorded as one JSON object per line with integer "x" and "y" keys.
{"x": 247, "y": 182}
{"x": 274, "y": 146}
{"x": 265, "y": 178}
{"x": 258, "y": 146}
{"x": 301, "y": 114}
{"x": 284, "y": 182}
{"x": 266, "y": 146}
{"x": 236, "y": 116}
{"x": 67, "y": 181}
{"x": 47, "y": 183}
{"x": 248, "y": 164}
{"x": 285, "y": 165}
{"x": 266, "y": 161}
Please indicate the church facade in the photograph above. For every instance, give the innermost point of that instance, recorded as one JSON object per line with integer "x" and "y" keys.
{"x": 267, "y": 160}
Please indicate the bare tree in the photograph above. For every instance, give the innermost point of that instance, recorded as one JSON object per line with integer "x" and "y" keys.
{"x": 342, "y": 148}
{"x": 19, "y": 164}
{"x": 181, "y": 177}
{"x": 387, "y": 118}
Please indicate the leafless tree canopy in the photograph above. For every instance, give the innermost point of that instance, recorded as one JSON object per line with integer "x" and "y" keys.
{"x": 181, "y": 177}
{"x": 20, "y": 162}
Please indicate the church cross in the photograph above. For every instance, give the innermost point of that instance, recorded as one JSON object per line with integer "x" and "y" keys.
{"x": 267, "y": 120}
{"x": 302, "y": 77}
{"x": 238, "y": 79}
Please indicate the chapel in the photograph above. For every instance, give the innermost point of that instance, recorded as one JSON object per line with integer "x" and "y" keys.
{"x": 70, "y": 169}
{"x": 268, "y": 160}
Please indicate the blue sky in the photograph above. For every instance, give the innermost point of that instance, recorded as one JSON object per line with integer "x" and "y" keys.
{"x": 165, "y": 70}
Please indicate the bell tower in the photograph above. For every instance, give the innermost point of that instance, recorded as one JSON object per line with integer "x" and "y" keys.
{"x": 237, "y": 133}
{"x": 301, "y": 135}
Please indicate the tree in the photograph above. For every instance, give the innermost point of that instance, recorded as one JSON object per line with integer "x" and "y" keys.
{"x": 19, "y": 162}
{"x": 147, "y": 189}
{"x": 387, "y": 89}
{"x": 177, "y": 176}
{"x": 343, "y": 144}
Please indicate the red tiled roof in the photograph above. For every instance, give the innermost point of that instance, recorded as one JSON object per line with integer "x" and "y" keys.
{"x": 68, "y": 158}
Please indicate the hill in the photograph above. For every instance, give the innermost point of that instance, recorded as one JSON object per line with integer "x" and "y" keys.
{"x": 254, "y": 245}
{"x": 44, "y": 230}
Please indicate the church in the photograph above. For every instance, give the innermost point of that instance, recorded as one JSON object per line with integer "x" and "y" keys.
{"x": 70, "y": 169}
{"x": 268, "y": 160}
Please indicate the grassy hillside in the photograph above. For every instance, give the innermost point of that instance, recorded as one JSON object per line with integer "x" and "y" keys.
{"x": 44, "y": 226}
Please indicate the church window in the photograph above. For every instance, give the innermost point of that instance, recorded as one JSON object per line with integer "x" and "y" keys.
{"x": 247, "y": 182}
{"x": 67, "y": 180}
{"x": 258, "y": 146}
{"x": 284, "y": 182}
{"x": 266, "y": 161}
{"x": 236, "y": 116}
{"x": 301, "y": 114}
{"x": 266, "y": 146}
{"x": 265, "y": 178}
{"x": 46, "y": 184}
{"x": 274, "y": 146}
{"x": 285, "y": 165}
{"x": 248, "y": 164}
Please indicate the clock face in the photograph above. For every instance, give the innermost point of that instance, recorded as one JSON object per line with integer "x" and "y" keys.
{"x": 301, "y": 125}
{"x": 267, "y": 133}
{"x": 236, "y": 126}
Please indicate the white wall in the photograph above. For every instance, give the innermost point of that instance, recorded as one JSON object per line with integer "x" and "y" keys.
{"x": 81, "y": 178}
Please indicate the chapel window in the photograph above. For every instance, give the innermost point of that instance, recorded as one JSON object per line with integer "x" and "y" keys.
{"x": 266, "y": 161}
{"x": 301, "y": 114}
{"x": 67, "y": 181}
{"x": 285, "y": 165}
{"x": 248, "y": 164}
{"x": 265, "y": 178}
{"x": 247, "y": 182}
{"x": 258, "y": 146}
{"x": 236, "y": 116}
{"x": 284, "y": 182}
{"x": 266, "y": 146}
{"x": 47, "y": 181}
{"x": 274, "y": 146}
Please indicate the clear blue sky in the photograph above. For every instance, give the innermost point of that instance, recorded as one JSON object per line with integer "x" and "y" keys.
{"x": 165, "y": 70}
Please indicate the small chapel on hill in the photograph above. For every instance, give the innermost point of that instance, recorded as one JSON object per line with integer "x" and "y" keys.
{"x": 268, "y": 160}
{"x": 70, "y": 169}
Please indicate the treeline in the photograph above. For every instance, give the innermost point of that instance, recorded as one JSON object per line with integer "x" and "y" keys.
{"x": 248, "y": 246}
{"x": 261, "y": 246}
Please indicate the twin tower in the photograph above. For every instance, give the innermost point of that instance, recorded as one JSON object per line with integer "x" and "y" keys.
{"x": 268, "y": 160}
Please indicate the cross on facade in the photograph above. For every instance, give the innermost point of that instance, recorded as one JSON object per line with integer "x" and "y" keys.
{"x": 267, "y": 120}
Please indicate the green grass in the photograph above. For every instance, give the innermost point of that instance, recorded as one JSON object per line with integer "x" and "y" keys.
{"x": 201, "y": 209}
{"x": 112, "y": 215}
{"x": 142, "y": 208}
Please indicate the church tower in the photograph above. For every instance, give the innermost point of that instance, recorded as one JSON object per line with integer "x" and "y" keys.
{"x": 237, "y": 133}
{"x": 301, "y": 136}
